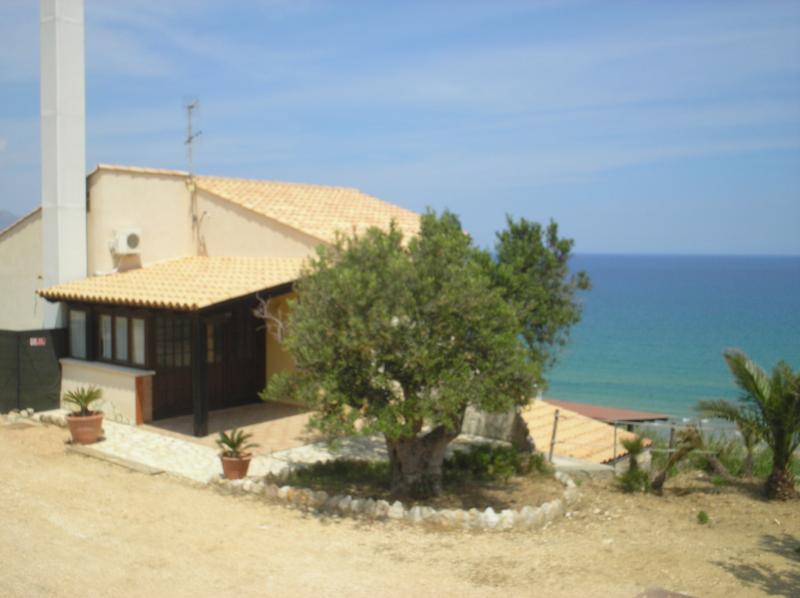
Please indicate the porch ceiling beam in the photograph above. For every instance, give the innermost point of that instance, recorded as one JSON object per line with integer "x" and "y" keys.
{"x": 199, "y": 377}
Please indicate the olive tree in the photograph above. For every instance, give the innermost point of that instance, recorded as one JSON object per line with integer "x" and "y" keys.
{"x": 398, "y": 336}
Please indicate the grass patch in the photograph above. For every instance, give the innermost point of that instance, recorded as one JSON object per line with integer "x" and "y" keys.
{"x": 703, "y": 518}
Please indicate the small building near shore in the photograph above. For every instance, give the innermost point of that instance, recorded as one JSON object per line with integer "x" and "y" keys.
{"x": 176, "y": 264}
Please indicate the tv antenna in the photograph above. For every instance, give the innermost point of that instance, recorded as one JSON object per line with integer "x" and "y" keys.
{"x": 191, "y": 135}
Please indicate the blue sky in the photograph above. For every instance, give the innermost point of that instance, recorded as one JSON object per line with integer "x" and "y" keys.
{"x": 641, "y": 127}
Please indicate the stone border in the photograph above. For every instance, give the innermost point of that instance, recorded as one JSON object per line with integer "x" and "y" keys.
{"x": 303, "y": 499}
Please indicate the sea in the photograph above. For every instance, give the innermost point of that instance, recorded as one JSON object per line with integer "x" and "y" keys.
{"x": 654, "y": 328}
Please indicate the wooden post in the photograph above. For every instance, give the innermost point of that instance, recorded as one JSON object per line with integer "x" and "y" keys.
{"x": 199, "y": 377}
{"x": 553, "y": 436}
{"x": 671, "y": 437}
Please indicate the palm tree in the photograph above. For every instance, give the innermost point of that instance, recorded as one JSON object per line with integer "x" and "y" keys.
{"x": 747, "y": 420}
{"x": 776, "y": 399}
{"x": 688, "y": 440}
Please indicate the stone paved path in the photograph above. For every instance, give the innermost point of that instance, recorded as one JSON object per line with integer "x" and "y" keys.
{"x": 201, "y": 463}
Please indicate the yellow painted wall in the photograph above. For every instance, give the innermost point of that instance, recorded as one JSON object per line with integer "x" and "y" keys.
{"x": 228, "y": 229}
{"x": 156, "y": 204}
{"x": 21, "y": 275}
{"x": 278, "y": 359}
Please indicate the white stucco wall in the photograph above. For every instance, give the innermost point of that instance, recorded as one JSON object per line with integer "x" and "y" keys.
{"x": 227, "y": 229}
{"x": 156, "y": 204}
{"x": 21, "y": 275}
{"x": 117, "y": 383}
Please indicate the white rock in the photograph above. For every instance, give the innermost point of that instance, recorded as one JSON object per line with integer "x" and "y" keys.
{"x": 357, "y": 506}
{"x": 283, "y": 492}
{"x": 428, "y": 513}
{"x": 396, "y": 511}
{"x": 571, "y": 494}
{"x": 526, "y": 515}
{"x": 344, "y": 504}
{"x": 369, "y": 508}
{"x": 490, "y": 519}
{"x": 414, "y": 514}
{"x": 247, "y": 486}
{"x": 507, "y": 519}
{"x": 382, "y": 509}
{"x": 319, "y": 499}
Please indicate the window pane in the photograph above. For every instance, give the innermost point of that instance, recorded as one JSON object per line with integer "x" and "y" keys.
{"x": 105, "y": 336}
{"x": 121, "y": 329}
{"x": 138, "y": 340}
{"x": 77, "y": 334}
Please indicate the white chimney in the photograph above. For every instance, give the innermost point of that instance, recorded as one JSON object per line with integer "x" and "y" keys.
{"x": 63, "y": 147}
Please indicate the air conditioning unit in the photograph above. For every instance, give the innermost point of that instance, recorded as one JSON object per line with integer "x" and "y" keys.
{"x": 127, "y": 241}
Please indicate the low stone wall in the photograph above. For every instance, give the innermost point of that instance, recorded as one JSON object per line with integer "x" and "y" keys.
{"x": 526, "y": 518}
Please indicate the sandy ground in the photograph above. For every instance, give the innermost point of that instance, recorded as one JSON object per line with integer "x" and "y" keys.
{"x": 75, "y": 526}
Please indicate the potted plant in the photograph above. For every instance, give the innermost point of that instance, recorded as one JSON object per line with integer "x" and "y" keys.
{"x": 234, "y": 456}
{"x": 84, "y": 424}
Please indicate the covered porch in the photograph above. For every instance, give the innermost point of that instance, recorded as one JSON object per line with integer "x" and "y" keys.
{"x": 176, "y": 341}
{"x": 274, "y": 426}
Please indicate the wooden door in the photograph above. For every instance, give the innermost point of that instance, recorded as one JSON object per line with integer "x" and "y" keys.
{"x": 172, "y": 385}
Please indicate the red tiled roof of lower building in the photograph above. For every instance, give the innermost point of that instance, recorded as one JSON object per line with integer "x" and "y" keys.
{"x": 607, "y": 414}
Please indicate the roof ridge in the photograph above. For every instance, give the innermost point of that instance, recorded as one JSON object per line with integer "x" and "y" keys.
{"x": 137, "y": 169}
{"x": 19, "y": 221}
{"x": 276, "y": 182}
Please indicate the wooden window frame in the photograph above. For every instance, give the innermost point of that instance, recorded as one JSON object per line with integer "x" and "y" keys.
{"x": 87, "y": 330}
{"x": 130, "y": 314}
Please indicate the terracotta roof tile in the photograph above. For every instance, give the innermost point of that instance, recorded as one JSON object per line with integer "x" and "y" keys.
{"x": 316, "y": 210}
{"x": 189, "y": 283}
{"x": 608, "y": 414}
{"x": 577, "y": 436}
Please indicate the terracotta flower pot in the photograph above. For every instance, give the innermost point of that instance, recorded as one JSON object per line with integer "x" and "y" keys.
{"x": 85, "y": 429}
{"x": 235, "y": 468}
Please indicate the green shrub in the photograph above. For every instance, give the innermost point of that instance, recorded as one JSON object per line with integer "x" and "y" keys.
{"x": 634, "y": 480}
{"x": 702, "y": 518}
{"x": 540, "y": 464}
{"x": 486, "y": 462}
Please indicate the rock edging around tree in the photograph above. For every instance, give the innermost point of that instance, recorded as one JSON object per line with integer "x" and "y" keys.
{"x": 526, "y": 518}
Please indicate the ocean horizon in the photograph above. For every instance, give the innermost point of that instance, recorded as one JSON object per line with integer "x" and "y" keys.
{"x": 654, "y": 328}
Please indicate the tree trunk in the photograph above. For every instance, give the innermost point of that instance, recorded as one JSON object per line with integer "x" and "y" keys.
{"x": 657, "y": 484}
{"x": 720, "y": 469}
{"x": 416, "y": 463}
{"x": 781, "y": 484}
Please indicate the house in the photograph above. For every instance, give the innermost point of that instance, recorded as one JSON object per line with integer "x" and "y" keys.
{"x": 176, "y": 264}
{"x": 142, "y": 281}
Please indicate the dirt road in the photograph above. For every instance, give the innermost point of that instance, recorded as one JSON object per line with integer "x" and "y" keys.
{"x": 74, "y": 526}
